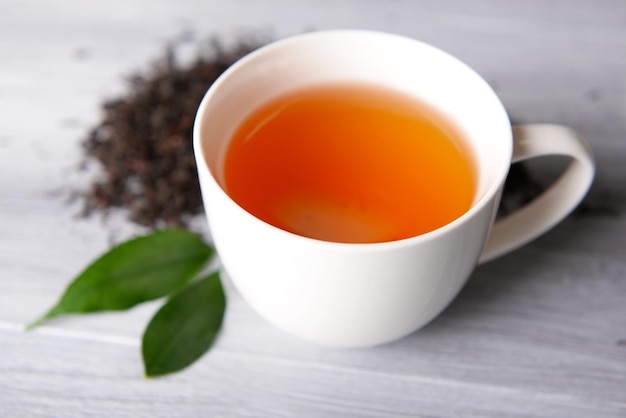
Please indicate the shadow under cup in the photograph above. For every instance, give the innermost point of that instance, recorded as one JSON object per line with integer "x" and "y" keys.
{"x": 350, "y": 294}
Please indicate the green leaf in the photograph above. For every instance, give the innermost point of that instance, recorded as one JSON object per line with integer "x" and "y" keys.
{"x": 184, "y": 328}
{"x": 136, "y": 271}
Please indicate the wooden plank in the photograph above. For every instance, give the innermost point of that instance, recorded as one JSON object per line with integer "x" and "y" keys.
{"x": 87, "y": 378}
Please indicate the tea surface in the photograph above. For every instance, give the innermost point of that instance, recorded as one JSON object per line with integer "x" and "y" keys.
{"x": 349, "y": 163}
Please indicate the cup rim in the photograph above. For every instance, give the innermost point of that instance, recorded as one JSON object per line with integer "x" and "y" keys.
{"x": 477, "y": 206}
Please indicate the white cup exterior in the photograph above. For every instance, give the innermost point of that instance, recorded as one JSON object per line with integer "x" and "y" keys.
{"x": 340, "y": 294}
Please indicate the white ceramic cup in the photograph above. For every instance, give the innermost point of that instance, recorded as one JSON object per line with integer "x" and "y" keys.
{"x": 366, "y": 294}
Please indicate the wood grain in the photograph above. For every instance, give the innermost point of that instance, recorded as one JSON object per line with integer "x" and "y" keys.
{"x": 540, "y": 332}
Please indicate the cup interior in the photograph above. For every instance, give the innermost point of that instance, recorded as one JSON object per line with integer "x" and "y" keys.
{"x": 412, "y": 67}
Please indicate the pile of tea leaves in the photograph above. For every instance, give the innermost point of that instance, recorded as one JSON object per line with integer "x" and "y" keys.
{"x": 144, "y": 140}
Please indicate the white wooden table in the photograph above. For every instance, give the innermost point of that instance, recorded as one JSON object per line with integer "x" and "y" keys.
{"x": 540, "y": 332}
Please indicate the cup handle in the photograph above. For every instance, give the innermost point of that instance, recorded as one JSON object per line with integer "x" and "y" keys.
{"x": 557, "y": 201}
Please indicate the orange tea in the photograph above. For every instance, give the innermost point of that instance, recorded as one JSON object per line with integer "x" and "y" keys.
{"x": 350, "y": 163}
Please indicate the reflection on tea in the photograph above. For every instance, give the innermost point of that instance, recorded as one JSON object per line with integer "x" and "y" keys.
{"x": 350, "y": 163}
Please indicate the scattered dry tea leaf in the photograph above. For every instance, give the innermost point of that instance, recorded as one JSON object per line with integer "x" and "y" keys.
{"x": 144, "y": 141}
